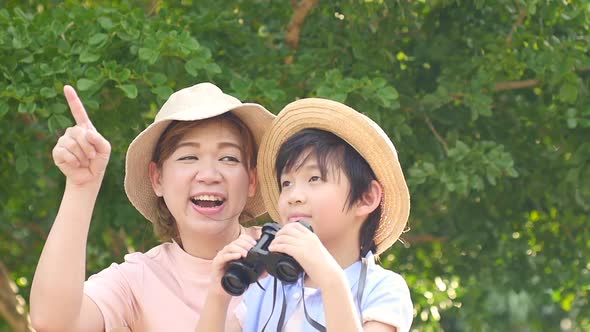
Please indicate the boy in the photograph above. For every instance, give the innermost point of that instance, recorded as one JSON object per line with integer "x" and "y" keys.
{"x": 324, "y": 163}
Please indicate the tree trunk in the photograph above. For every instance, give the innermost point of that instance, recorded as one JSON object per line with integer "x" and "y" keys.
{"x": 12, "y": 305}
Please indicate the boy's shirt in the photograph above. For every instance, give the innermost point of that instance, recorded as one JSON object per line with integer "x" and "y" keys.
{"x": 386, "y": 298}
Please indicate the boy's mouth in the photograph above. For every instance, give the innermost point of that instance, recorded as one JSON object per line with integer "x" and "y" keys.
{"x": 207, "y": 201}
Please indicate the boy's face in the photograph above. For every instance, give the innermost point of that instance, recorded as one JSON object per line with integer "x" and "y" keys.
{"x": 322, "y": 202}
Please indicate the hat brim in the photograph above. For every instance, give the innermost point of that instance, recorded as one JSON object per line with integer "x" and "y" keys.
{"x": 364, "y": 135}
{"x": 137, "y": 181}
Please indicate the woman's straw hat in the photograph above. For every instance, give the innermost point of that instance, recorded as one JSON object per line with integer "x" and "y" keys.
{"x": 198, "y": 102}
{"x": 364, "y": 135}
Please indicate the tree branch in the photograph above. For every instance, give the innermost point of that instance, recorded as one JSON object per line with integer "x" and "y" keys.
{"x": 12, "y": 305}
{"x": 522, "y": 14}
{"x": 153, "y": 7}
{"x": 300, "y": 11}
{"x": 436, "y": 134}
{"x": 502, "y": 86}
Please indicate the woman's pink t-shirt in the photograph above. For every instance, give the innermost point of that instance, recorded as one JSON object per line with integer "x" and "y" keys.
{"x": 161, "y": 290}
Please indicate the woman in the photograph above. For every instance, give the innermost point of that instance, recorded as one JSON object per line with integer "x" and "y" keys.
{"x": 192, "y": 173}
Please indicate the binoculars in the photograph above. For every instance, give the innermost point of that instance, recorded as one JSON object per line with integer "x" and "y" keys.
{"x": 244, "y": 271}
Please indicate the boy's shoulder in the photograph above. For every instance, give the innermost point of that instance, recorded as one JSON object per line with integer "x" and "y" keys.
{"x": 379, "y": 277}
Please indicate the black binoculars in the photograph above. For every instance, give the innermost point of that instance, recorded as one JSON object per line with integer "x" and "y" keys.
{"x": 244, "y": 271}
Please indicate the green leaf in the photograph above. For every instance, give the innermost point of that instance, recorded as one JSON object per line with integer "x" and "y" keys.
{"x": 572, "y": 123}
{"x": 87, "y": 56}
{"x": 240, "y": 86}
{"x": 58, "y": 122}
{"x": 191, "y": 44}
{"x": 27, "y": 59}
{"x": 27, "y": 107}
{"x": 85, "y": 84}
{"x": 22, "y": 164}
{"x": 91, "y": 104}
{"x": 47, "y": 92}
{"x": 123, "y": 75}
{"x": 387, "y": 96}
{"x": 3, "y": 108}
{"x": 157, "y": 78}
{"x": 106, "y": 23}
{"x": 192, "y": 67}
{"x": 213, "y": 69}
{"x": 129, "y": 89}
{"x": 97, "y": 38}
{"x": 149, "y": 55}
{"x": 568, "y": 93}
{"x": 163, "y": 91}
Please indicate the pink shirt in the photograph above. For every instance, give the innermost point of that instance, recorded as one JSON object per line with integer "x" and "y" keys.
{"x": 161, "y": 290}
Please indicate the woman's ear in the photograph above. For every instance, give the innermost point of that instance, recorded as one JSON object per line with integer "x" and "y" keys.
{"x": 370, "y": 199}
{"x": 155, "y": 178}
{"x": 252, "y": 182}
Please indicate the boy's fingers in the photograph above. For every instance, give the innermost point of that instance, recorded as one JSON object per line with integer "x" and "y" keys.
{"x": 77, "y": 108}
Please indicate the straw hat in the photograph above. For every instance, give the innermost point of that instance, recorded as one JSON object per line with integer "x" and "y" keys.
{"x": 198, "y": 102}
{"x": 364, "y": 135}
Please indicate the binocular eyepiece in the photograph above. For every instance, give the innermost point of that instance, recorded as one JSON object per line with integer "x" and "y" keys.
{"x": 244, "y": 271}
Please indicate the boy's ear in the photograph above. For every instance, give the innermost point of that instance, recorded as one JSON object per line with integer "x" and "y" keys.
{"x": 155, "y": 178}
{"x": 252, "y": 182}
{"x": 370, "y": 199}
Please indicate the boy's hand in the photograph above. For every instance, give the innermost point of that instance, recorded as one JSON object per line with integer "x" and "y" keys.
{"x": 235, "y": 250}
{"x": 82, "y": 154}
{"x": 305, "y": 247}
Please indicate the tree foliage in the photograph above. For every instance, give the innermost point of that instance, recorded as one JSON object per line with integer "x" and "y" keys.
{"x": 487, "y": 103}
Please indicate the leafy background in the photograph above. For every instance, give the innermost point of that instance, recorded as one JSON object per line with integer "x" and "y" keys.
{"x": 487, "y": 103}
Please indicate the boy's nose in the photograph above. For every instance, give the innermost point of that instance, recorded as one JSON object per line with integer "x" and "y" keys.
{"x": 296, "y": 196}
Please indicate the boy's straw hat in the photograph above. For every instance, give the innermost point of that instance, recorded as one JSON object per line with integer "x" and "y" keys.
{"x": 364, "y": 135}
{"x": 198, "y": 102}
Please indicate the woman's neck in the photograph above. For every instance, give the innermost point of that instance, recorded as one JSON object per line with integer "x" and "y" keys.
{"x": 206, "y": 246}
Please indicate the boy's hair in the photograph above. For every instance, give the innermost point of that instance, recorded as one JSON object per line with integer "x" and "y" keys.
{"x": 332, "y": 151}
{"x": 165, "y": 225}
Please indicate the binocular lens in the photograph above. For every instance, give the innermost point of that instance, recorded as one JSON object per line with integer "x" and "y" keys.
{"x": 234, "y": 283}
{"x": 287, "y": 272}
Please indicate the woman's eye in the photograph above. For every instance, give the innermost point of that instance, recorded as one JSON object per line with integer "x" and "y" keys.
{"x": 285, "y": 184}
{"x": 230, "y": 158}
{"x": 315, "y": 178}
{"x": 188, "y": 158}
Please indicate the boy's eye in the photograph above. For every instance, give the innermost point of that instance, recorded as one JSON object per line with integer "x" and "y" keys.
{"x": 285, "y": 184}
{"x": 315, "y": 178}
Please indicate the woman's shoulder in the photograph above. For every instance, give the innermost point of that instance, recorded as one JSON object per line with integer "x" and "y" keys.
{"x": 154, "y": 254}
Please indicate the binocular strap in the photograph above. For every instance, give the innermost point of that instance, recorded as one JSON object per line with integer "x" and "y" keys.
{"x": 318, "y": 326}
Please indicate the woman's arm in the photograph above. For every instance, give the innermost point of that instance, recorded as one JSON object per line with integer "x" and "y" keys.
{"x": 57, "y": 298}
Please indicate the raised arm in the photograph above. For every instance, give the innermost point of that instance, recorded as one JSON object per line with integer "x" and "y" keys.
{"x": 57, "y": 299}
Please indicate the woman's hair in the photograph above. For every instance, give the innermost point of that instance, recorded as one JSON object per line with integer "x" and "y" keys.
{"x": 332, "y": 151}
{"x": 165, "y": 225}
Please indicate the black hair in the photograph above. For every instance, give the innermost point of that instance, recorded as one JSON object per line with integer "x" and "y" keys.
{"x": 332, "y": 151}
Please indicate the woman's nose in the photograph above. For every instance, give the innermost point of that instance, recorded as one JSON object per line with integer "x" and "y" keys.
{"x": 208, "y": 173}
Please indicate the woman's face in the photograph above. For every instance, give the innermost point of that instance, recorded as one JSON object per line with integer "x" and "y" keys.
{"x": 205, "y": 182}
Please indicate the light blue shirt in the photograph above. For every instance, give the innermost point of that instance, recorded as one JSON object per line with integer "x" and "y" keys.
{"x": 386, "y": 298}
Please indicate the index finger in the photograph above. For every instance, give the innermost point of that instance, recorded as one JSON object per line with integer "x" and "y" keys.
{"x": 76, "y": 107}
